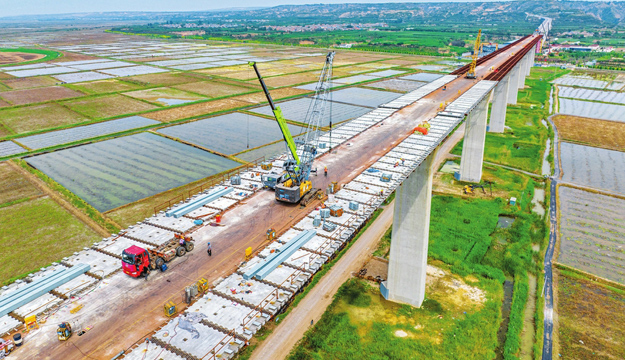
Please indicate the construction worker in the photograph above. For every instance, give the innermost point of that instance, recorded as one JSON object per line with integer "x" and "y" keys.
{"x": 210, "y": 250}
{"x": 402, "y": 161}
{"x": 325, "y": 171}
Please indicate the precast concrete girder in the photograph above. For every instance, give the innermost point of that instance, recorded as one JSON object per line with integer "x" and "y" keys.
{"x": 409, "y": 242}
{"x": 500, "y": 105}
{"x": 473, "y": 146}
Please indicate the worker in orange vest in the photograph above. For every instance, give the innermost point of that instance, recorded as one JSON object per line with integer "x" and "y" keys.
{"x": 325, "y": 171}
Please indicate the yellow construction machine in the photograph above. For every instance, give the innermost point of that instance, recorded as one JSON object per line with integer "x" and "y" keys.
{"x": 64, "y": 331}
{"x": 476, "y": 54}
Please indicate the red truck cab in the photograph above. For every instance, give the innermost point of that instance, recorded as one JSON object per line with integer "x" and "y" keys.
{"x": 135, "y": 261}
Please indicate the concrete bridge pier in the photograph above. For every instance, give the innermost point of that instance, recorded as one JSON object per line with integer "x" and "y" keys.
{"x": 513, "y": 87}
{"x": 473, "y": 147}
{"x": 500, "y": 105}
{"x": 530, "y": 62}
{"x": 521, "y": 72}
{"x": 409, "y": 241}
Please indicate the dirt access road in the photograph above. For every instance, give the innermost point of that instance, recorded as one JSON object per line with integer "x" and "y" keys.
{"x": 128, "y": 310}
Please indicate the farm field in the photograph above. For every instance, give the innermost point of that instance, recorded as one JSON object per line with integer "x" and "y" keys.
{"x": 591, "y": 109}
{"x": 397, "y": 85}
{"x": 13, "y": 186}
{"x": 594, "y": 167}
{"x": 194, "y": 110}
{"x": 8, "y": 148}
{"x": 588, "y": 81}
{"x": 105, "y": 86}
{"x": 28, "y": 83}
{"x": 230, "y": 133}
{"x": 67, "y": 136}
{"x": 296, "y": 110}
{"x": 213, "y": 89}
{"x": 108, "y": 106}
{"x": 29, "y": 96}
{"x": 116, "y": 172}
{"x": 592, "y": 233}
{"x": 605, "y": 134}
{"x": 46, "y": 233}
{"x": 38, "y": 117}
{"x": 594, "y": 95}
{"x": 591, "y": 319}
{"x": 363, "y": 97}
{"x": 165, "y": 96}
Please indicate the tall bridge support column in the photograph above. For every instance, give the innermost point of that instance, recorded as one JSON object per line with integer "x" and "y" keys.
{"x": 521, "y": 72}
{"x": 473, "y": 147}
{"x": 530, "y": 63}
{"x": 513, "y": 86}
{"x": 500, "y": 105}
{"x": 409, "y": 242}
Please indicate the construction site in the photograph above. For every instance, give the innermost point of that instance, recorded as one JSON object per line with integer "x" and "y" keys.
{"x": 199, "y": 274}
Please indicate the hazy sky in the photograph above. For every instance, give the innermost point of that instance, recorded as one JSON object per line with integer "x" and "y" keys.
{"x": 28, "y": 7}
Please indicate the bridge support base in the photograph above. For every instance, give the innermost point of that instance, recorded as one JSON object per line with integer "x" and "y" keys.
{"x": 409, "y": 241}
{"x": 473, "y": 147}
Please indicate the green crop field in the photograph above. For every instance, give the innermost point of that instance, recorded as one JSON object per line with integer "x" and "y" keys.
{"x": 36, "y": 233}
{"x": 49, "y": 55}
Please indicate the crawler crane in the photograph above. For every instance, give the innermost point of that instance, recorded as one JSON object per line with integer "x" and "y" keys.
{"x": 292, "y": 185}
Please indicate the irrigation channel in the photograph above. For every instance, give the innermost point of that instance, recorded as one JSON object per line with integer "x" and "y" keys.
{"x": 548, "y": 287}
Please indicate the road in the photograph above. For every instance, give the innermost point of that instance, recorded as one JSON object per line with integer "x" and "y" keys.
{"x": 553, "y": 235}
{"x": 131, "y": 309}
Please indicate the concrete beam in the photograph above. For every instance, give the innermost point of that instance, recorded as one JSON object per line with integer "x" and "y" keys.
{"x": 409, "y": 241}
{"x": 500, "y": 105}
{"x": 473, "y": 146}
{"x": 513, "y": 85}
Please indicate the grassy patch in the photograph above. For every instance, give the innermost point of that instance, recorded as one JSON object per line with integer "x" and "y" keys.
{"x": 360, "y": 324}
{"x": 37, "y": 232}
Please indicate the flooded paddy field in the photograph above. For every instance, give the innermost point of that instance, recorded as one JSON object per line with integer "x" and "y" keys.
{"x": 116, "y": 172}
{"x": 592, "y": 110}
{"x": 588, "y": 94}
{"x": 296, "y": 110}
{"x": 588, "y": 81}
{"x": 593, "y": 167}
{"x": 230, "y": 133}
{"x": 592, "y": 233}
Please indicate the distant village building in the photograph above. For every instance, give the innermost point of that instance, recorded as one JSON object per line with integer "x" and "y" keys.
{"x": 584, "y": 48}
